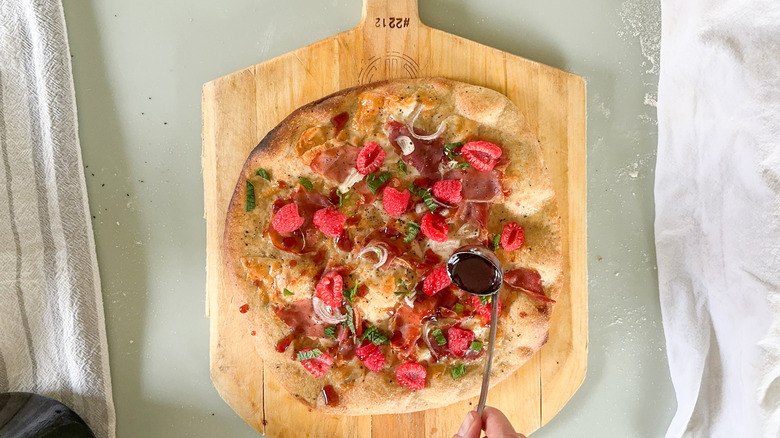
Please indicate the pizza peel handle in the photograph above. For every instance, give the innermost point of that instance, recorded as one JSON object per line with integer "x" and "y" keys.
{"x": 389, "y": 49}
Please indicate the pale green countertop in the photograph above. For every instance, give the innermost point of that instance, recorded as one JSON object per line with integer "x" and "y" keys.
{"x": 139, "y": 66}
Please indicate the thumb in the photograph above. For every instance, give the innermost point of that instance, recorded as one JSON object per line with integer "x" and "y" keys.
{"x": 471, "y": 426}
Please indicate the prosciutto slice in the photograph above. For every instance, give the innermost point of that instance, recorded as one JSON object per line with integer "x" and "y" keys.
{"x": 529, "y": 281}
{"x": 477, "y": 186}
{"x": 474, "y": 213}
{"x": 336, "y": 163}
{"x": 299, "y": 316}
{"x": 426, "y": 155}
{"x": 407, "y": 323}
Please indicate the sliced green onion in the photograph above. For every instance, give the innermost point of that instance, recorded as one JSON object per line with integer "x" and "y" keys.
{"x": 350, "y": 321}
{"x": 306, "y": 355}
{"x": 349, "y": 294}
{"x": 458, "y": 371}
{"x": 374, "y": 335}
{"x": 330, "y": 332}
{"x": 440, "y": 339}
{"x": 343, "y": 197}
{"x": 412, "y": 229}
{"x": 426, "y": 196}
{"x": 402, "y": 167}
{"x": 263, "y": 174}
{"x": 377, "y": 181}
{"x": 250, "y": 196}
{"x": 449, "y": 149}
{"x": 287, "y": 293}
{"x": 306, "y": 183}
{"x": 496, "y": 241}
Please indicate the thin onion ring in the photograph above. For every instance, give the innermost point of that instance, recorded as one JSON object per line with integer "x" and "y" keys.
{"x": 327, "y": 314}
{"x": 434, "y": 136}
{"x": 380, "y": 251}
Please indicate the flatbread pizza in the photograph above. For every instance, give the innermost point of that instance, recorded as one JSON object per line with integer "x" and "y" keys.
{"x": 341, "y": 223}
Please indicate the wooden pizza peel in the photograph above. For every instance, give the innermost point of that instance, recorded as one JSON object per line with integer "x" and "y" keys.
{"x": 391, "y": 42}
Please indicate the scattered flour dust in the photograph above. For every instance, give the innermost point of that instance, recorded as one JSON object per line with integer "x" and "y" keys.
{"x": 640, "y": 166}
{"x": 651, "y": 99}
{"x": 642, "y": 19}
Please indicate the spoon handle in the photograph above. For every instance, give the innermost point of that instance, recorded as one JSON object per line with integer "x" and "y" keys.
{"x": 489, "y": 363}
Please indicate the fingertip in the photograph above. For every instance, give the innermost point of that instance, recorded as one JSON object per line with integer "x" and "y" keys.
{"x": 496, "y": 423}
{"x": 471, "y": 427}
{"x": 475, "y": 430}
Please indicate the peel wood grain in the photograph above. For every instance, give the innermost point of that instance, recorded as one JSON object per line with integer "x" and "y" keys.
{"x": 391, "y": 42}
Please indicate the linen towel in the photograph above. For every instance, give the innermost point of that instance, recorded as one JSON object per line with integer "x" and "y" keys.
{"x": 52, "y": 329}
{"x": 717, "y": 226}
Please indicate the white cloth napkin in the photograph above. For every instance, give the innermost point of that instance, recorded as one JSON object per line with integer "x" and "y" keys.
{"x": 52, "y": 331}
{"x": 717, "y": 227}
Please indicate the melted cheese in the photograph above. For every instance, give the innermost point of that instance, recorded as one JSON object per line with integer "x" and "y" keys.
{"x": 444, "y": 249}
{"x": 273, "y": 276}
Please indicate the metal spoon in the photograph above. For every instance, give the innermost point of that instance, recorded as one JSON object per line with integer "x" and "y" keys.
{"x": 478, "y": 271}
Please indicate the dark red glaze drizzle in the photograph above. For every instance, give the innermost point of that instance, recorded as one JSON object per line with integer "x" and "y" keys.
{"x": 284, "y": 343}
{"x": 344, "y": 243}
{"x": 339, "y": 121}
{"x": 330, "y": 395}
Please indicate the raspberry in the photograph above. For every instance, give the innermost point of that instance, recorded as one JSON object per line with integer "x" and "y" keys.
{"x": 319, "y": 365}
{"x": 330, "y": 289}
{"x": 459, "y": 341}
{"x": 434, "y": 227}
{"x": 370, "y": 158}
{"x": 411, "y": 375}
{"x": 481, "y": 154}
{"x": 512, "y": 237}
{"x": 371, "y": 357}
{"x": 395, "y": 202}
{"x": 484, "y": 310}
{"x": 437, "y": 280}
{"x": 287, "y": 219}
{"x": 330, "y": 221}
{"x": 448, "y": 190}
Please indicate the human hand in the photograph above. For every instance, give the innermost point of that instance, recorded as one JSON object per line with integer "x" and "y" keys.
{"x": 493, "y": 421}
